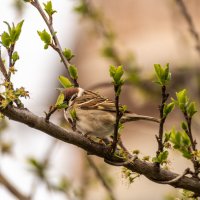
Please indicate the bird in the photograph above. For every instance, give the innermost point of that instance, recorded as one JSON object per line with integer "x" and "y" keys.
{"x": 94, "y": 114}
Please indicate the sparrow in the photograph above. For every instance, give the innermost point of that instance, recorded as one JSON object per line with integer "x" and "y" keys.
{"x": 94, "y": 114}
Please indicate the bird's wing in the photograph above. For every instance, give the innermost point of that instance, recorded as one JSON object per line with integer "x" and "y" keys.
{"x": 92, "y": 100}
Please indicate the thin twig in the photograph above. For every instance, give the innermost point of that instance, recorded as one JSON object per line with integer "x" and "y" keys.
{"x": 101, "y": 178}
{"x": 56, "y": 46}
{"x": 3, "y": 69}
{"x": 12, "y": 188}
{"x": 10, "y": 53}
{"x": 193, "y": 144}
{"x": 52, "y": 109}
{"x": 7, "y": 76}
{"x": 162, "y": 120}
{"x": 117, "y": 121}
{"x": 191, "y": 25}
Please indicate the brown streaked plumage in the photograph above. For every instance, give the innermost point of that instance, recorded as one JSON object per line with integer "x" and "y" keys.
{"x": 95, "y": 113}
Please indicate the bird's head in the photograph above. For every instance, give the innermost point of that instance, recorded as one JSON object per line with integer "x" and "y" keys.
{"x": 71, "y": 93}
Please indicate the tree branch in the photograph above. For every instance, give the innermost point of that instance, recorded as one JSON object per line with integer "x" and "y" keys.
{"x": 162, "y": 120}
{"x": 56, "y": 46}
{"x": 147, "y": 169}
{"x": 12, "y": 188}
{"x": 188, "y": 19}
{"x": 101, "y": 178}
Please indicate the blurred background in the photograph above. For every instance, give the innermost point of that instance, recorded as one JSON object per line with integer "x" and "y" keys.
{"x": 135, "y": 34}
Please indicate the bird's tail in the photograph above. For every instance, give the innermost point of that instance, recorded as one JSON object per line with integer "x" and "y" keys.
{"x": 128, "y": 117}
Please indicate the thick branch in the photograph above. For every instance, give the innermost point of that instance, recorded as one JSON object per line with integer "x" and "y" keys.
{"x": 147, "y": 169}
{"x": 12, "y": 189}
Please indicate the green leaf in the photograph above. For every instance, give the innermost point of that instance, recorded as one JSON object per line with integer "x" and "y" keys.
{"x": 73, "y": 114}
{"x": 65, "y": 82}
{"x": 167, "y": 136}
{"x": 9, "y": 27}
{"x": 161, "y": 158}
{"x": 182, "y": 99}
{"x": 15, "y": 31}
{"x": 123, "y": 108}
{"x": 15, "y": 56}
{"x": 191, "y": 109}
{"x": 60, "y": 99}
{"x": 5, "y": 39}
{"x": 184, "y": 126}
{"x": 162, "y": 73}
{"x": 18, "y": 31}
{"x": 112, "y": 71}
{"x": 159, "y": 72}
{"x": 68, "y": 54}
{"x": 181, "y": 142}
{"x": 168, "y": 108}
{"x": 185, "y": 139}
{"x": 108, "y": 51}
{"x": 38, "y": 167}
{"x": 73, "y": 72}
{"x": 82, "y": 8}
{"x": 48, "y": 8}
{"x": 60, "y": 104}
{"x": 116, "y": 73}
{"x": 45, "y": 37}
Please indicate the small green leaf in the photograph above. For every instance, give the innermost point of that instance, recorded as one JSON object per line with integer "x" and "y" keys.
{"x": 5, "y": 39}
{"x": 45, "y": 37}
{"x": 65, "y": 82}
{"x": 82, "y": 8}
{"x": 191, "y": 109}
{"x": 18, "y": 31}
{"x": 38, "y": 167}
{"x": 73, "y": 72}
{"x": 60, "y": 99}
{"x": 60, "y": 104}
{"x": 184, "y": 126}
{"x": 185, "y": 139}
{"x": 116, "y": 73}
{"x": 123, "y": 108}
{"x": 15, "y": 56}
{"x": 167, "y": 136}
{"x": 162, "y": 73}
{"x": 68, "y": 54}
{"x": 181, "y": 142}
{"x": 161, "y": 158}
{"x": 112, "y": 71}
{"x": 168, "y": 108}
{"x": 9, "y": 27}
{"x": 108, "y": 51}
{"x": 182, "y": 99}
{"x": 73, "y": 114}
{"x": 48, "y": 8}
{"x": 14, "y": 32}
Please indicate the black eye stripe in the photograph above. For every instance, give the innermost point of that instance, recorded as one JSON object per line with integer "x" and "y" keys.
{"x": 73, "y": 97}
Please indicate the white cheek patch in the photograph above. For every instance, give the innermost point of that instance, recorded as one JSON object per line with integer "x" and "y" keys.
{"x": 80, "y": 92}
